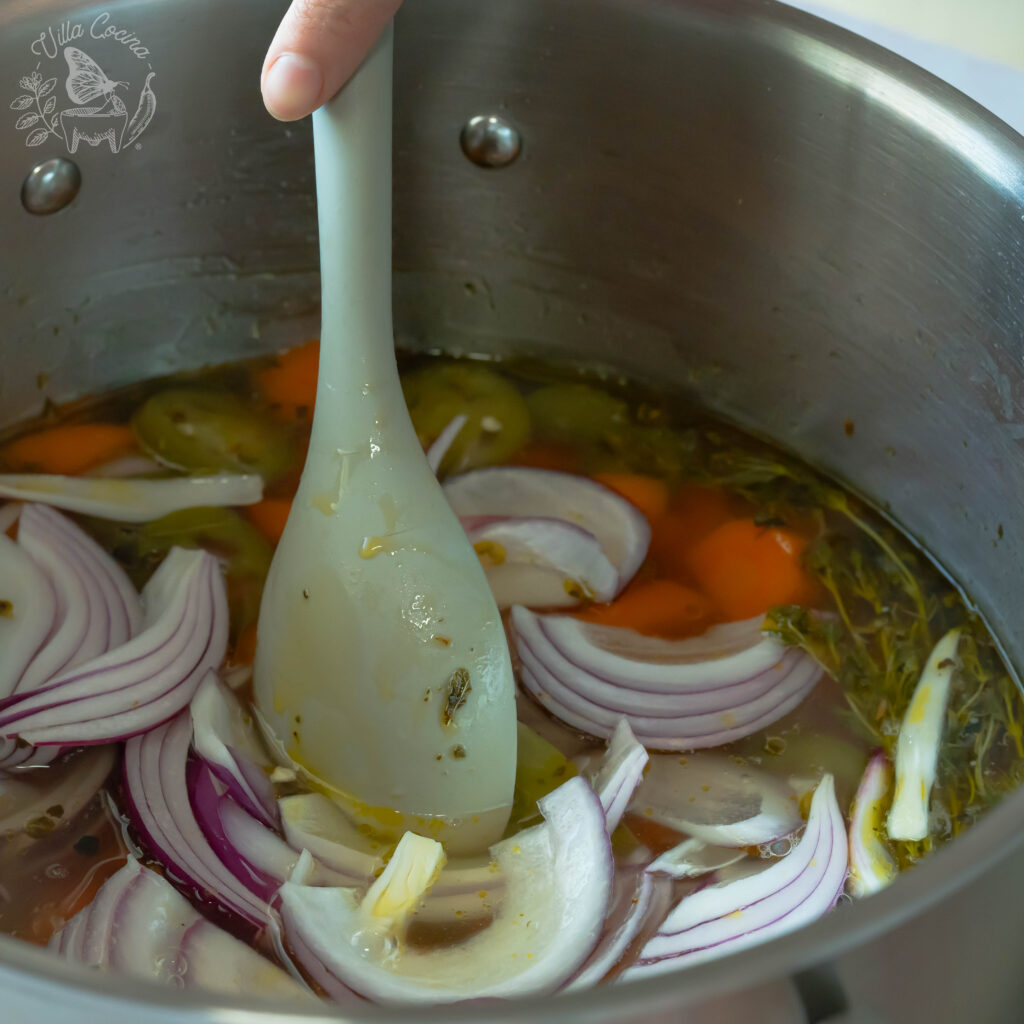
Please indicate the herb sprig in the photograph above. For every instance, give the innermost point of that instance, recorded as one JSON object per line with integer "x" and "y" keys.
{"x": 886, "y": 604}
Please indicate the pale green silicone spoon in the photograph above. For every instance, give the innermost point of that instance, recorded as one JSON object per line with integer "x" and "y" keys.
{"x": 382, "y": 666}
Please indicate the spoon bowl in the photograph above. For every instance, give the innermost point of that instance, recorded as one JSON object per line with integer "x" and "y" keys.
{"x": 382, "y": 667}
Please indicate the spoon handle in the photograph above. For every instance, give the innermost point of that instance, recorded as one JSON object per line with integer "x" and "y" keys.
{"x": 352, "y": 145}
{"x": 382, "y": 666}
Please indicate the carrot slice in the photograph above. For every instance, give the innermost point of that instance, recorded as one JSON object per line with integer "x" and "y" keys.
{"x": 694, "y": 511}
{"x": 269, "y": 517}
{"x": 290, "y": 383}
{"x": 649, "y": 494}
{"x": 745, "y": 569}
{"x": 662, "y": 608}
{"x": 69, "y": 450}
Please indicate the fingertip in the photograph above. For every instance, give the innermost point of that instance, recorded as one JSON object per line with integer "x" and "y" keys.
{"x": 292, "y": 86}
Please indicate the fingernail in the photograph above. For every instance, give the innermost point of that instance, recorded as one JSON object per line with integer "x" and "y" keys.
{"x": 292, "y": 87}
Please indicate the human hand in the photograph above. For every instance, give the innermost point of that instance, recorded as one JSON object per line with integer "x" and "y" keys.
{"x": 317, "y": 47}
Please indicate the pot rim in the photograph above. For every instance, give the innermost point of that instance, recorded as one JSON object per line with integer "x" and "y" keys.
{"x": 960, "y": 124}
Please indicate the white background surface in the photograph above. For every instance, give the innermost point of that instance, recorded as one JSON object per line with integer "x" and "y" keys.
{"x": 976, "y": 45}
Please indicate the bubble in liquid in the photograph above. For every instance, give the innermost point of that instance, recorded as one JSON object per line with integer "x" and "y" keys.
{"x": 776, "y": 848}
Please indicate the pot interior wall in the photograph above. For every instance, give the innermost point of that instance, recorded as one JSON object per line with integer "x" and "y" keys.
{"x": 716, "y": 197}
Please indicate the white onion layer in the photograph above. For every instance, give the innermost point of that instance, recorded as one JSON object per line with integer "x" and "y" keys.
{"x": 132, "y": 501}
{"x": 439, "y": 449}
{"x": 621, "y": 529}
{"x": 710, "y": 797}
{"x": 872, "y": 867}
{"x": 693, "y": 858}
{"x": 315, "y": 823}
{"x": 558, "y": 878}
{"x": 792, "y": 892}
{"x": 70, "y": 786}
{"x": 917, "y": 746}
{"x": 678, "y": 695}
{"x": 541, "y": 562}
{"x": 619, "y": 774}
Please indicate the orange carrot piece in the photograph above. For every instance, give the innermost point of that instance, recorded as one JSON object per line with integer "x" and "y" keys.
{"x": 745, "y": 569}
{"x": 290, "y": 383}
{"x": 539, "y": 455}
{"x": 662, "y": 608}
{"x": 69, "y": 450}
{"x": 269, "y": 517}
{"x": 694, "y": 511}
{"x": 649, "y": 494}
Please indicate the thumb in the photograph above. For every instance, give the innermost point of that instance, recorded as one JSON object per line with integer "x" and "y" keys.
{"x": 318, "y": 46}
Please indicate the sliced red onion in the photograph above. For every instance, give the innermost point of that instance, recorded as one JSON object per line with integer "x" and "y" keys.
{"x": 132, "y": 501}
{"x": 257, "y": 856}
{"x": 160, "y": 806}
{"x": 694, "y": 858}
{"x": 791, "y": 892}
{"x": 917, "y": 746}
{"x": 97, "y": 941}
{"x": 872, "y": 866}
{"x": 541, "y": 562}
{"x": 558, "y": 879}
{"x": 78, "y": 940}
{"x": 712, "y": 798}
{"x": 677, "y": 694}
{"x": 439, "y": 449}
{"x": 143, "y": 682}
{"x": 98, "y": 609}
{"x": 246, "y": 856}
{"x": 637, "y": 897}
{"x": 30, "y": 612}
{"x": 138, "y": 925}
{"x": 621, "y": 529}
{"x": 151, "y": 919}
{"x": 619, "y": 774}
{"x": 224, "y": 736}
{"x": 315, "y": 823}
{"x": 16, "y": 756}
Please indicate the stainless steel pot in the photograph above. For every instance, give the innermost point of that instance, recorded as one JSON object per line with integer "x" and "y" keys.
{"x": 721, "y": 196}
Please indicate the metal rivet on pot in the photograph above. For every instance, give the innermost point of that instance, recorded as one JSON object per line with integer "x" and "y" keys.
{"x": 490, "y": 141}
{"x": 50, "y": 186}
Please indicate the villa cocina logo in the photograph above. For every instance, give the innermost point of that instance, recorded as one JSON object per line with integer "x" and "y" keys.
{"x": 96, "y": 115}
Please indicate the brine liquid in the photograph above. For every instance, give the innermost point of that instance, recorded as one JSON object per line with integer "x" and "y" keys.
{"x": 529, "y": 414}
